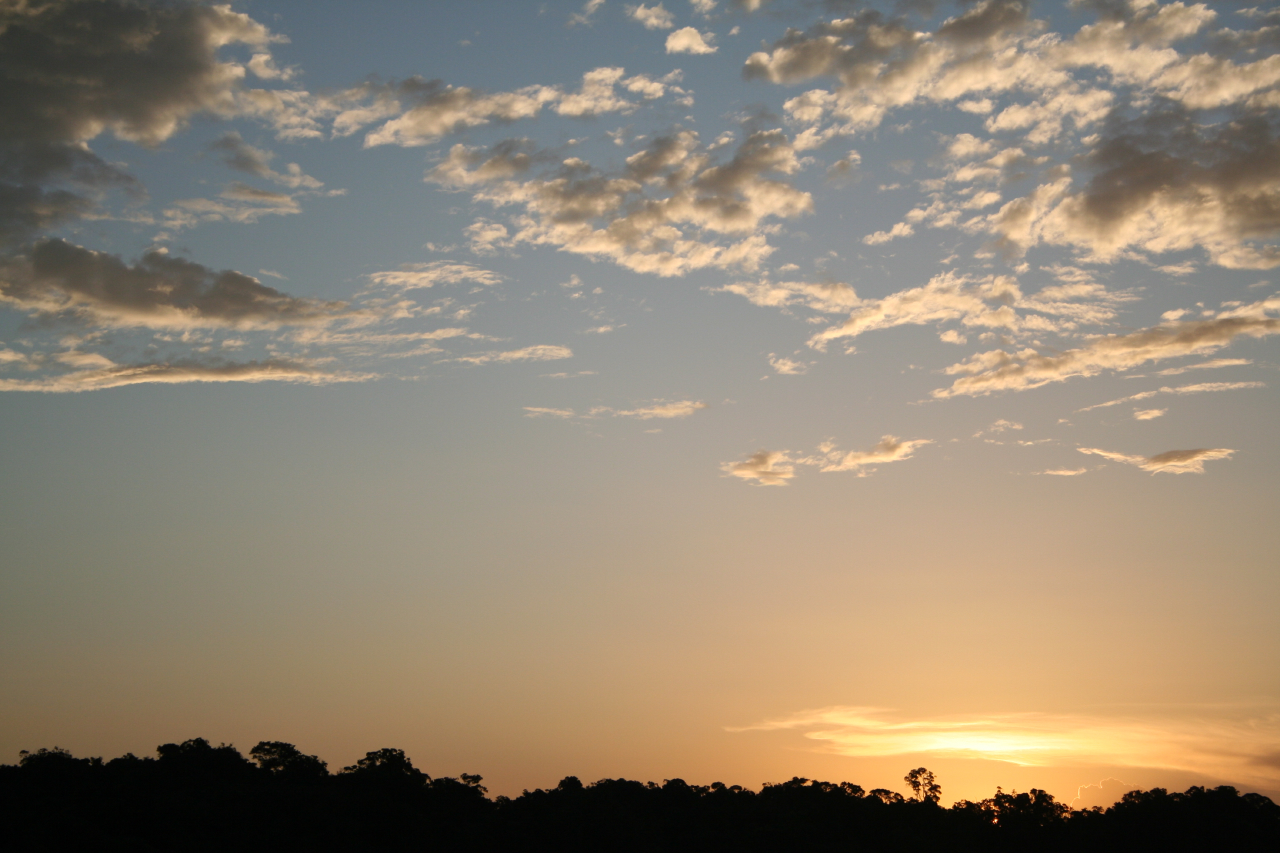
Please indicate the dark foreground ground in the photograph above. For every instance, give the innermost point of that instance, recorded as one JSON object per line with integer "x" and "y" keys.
{"x": 195, "y": 796}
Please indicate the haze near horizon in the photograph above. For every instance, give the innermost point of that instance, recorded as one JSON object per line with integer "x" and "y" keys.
{"x": 728, "y": 391}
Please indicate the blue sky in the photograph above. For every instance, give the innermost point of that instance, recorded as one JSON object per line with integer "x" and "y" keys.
{"x": 650, "y": 390}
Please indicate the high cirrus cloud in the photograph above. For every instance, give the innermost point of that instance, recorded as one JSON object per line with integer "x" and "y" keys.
{"x": 659, "y": 215}
{"x": 998, "y": 370}
{"x": 991, "y": 302}
{"x": 1169, "y": 462}
{"x": 159, "y": 292}
{"x": 180, "y": 372}
{"x": 538, "y": 352}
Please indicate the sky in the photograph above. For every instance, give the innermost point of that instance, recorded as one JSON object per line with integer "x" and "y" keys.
{"x": 728, "y": 391}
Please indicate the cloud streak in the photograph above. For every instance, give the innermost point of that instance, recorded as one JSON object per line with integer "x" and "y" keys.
{"x": 1220, "y": 744}
{"x": 998, "y": 370}
{"x": 1169, "y": 462}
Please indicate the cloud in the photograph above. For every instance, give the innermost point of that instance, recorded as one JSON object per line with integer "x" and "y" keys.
{"x": 1199, "y": 388}
{"x": 75, "y": 69}
{"x": 653, "y": 17}
{"x": 1220, "y": 743}
{"x": 540, "y": 352}
{"x": 830, "y": 298}
{"x": 1213, "y": 364}
{"x": 238, "y": 154}
{"x": 661, "y": 214}
{"x": 689, "y": 40}
{"x": 787, "y": 366}
{"x": 889, "y": 449}
{"x": 1149, "y": 414}
{"x": 658, "y": 410}
{"x": 159, "y": 292}
{"x": 679, "y": 409}
{"x": 1164, "y": 182}
{"x": 1170, "y": 462}
{"x": 416, "y": 276}
{"x": 991, "y": 302}
{"x": 1065, "y": 472}
{"x": 765, "y": 468}
{"x": 437, "y": 109}
{"x": 1103, "y": 795}
{"x": 237, "y": 203}
{"x": 1162, "y": 175}
{"x": 119, "y": 375}
{"x": 584, "y": 17}
{"x": 999, "y": 426}
{"x": 997, "y": 370}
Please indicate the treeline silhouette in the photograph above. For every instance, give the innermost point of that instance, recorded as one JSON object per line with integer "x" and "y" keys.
{"x": 196, "y": 796}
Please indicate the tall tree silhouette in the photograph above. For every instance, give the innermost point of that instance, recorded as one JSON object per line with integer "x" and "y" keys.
{"x": 924, "y": 785}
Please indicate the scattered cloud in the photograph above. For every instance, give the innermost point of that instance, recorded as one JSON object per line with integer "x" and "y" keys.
{"x": 889, "y": 449}
{"x": 1149, "y": 414}
{"x": 1169, "y": 462}
{"x": 689, "y": 40}
{"x": 1198, "y": 388}
{"x": 661, "y": 215}
{"x": 239, "y": 155}
{"x": 992, "y": 302}
{"x": 788, "y": 366}
{"x": 119, "y": 375}
{"x": 415, "y": 276}
{"x": 1207, "y": 365}
{"x": 999, "y": 370}
{"x": 678, "y": 409}
{"x": 541, "y": 412}
{"x": 763, "y": 468}
{"x": 584, "y": 17}
{"x": 652, "y": 17}
{"x": 540, "y": 352}
{"x": 159, "y": 292}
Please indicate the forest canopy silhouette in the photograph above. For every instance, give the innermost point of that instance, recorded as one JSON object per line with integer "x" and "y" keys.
{"x": 197, "y": 796}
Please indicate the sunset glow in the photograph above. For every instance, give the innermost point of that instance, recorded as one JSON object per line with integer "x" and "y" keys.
{"x": 715, "y": 390}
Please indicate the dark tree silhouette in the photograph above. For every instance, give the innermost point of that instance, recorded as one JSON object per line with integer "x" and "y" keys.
{"x": 198, "y": 797}
{"x": 288, "y": 762}
{"x": 924, "y": 786}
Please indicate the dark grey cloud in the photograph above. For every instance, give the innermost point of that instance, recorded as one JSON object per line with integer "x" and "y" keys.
{"x": 61, "y": 278}
{"x": 1165, "y": 181}
{"x": 73, "y": 69}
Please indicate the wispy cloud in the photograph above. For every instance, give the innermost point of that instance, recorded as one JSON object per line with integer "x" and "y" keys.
{"x": 889, "y": 449}
{"x": 173, "y": 373}
{"x": 1220, "y": 742}
{"x": 1198, "y": 388}
{"x": 998, "y": 370}
{"x": 1169, "y": 462}
{"x": 539, "y": 352}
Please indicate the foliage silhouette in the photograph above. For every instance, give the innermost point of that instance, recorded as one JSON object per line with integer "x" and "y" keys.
{"x": 196, "y": 796}
{"x": 924, "y": 786}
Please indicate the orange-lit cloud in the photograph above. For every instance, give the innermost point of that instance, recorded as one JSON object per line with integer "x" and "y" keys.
{"x": 1223, "y": 743}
